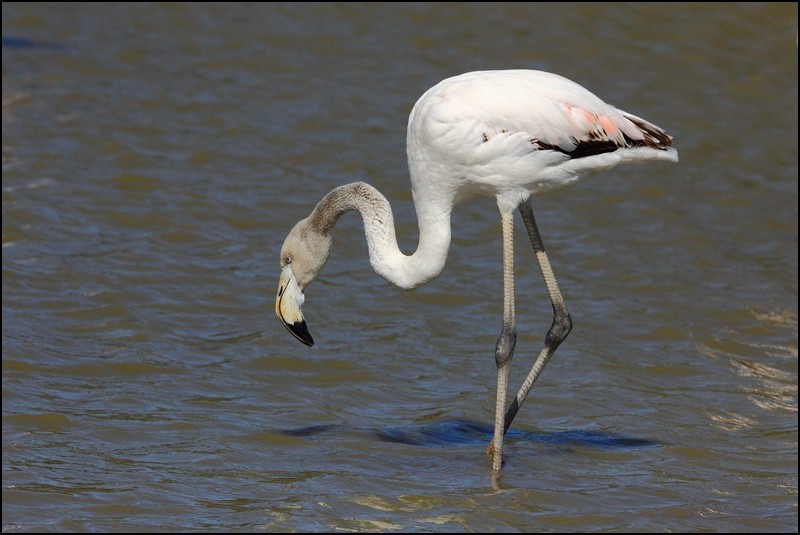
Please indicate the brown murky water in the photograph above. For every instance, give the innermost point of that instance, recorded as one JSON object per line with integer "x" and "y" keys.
{"x": 154, "y": 157}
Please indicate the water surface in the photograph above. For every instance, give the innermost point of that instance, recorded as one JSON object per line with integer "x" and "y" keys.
{"x": 154, "y": 158}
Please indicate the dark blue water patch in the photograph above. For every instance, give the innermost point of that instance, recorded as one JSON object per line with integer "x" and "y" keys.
{"x": 311, "y": 430}
{"x": 594, "y": 439}
{"x": 25, "y": 43}
{"x": 467, "y": 432}
{"x": 443, "y": 434}
{"x": 462, "y": 432}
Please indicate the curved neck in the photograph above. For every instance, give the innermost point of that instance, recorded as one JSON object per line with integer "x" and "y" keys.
{"x": 407, "y": 272}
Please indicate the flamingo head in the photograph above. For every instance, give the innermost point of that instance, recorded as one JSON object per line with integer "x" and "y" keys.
{"x": 303, "y": 256}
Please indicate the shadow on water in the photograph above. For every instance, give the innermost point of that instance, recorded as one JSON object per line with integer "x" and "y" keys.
{"x": 459, "y": 432}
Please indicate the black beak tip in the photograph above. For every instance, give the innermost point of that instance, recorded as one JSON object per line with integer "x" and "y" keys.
{"x": 300, "y": 331}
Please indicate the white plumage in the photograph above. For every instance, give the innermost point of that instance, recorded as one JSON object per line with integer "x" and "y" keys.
{"x": 487, "y": 133}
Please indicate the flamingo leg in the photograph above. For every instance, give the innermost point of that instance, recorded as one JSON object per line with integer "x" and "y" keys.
{"x": 562, "y": 322}
{"x": 505, "y": 342}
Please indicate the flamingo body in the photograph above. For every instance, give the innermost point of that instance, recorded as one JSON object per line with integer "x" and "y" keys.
{"x": 510, "y": 134}
{"x": 502, "y": 134}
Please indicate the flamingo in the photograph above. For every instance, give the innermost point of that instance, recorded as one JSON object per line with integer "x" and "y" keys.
{"x": 505, "y": 134}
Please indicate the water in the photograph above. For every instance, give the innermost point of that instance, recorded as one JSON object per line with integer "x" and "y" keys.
{"x": 154, "y": 158}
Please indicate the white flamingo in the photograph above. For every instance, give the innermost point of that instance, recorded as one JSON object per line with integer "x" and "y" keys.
{"x": 504, "y": 134}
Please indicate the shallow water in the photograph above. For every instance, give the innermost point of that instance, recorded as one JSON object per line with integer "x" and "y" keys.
{"x": 154, "y": 157}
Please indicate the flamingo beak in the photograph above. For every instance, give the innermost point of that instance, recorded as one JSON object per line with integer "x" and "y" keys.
{"x": 287, "y": 306}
